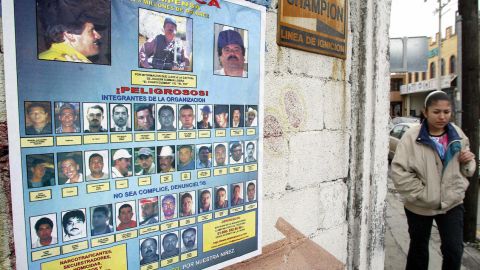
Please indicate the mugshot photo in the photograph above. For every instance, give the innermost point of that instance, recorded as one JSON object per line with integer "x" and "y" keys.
{"x": 186, "y": 157}
{"x": 96, "y": 167}
{"x": 95, "y": 119}
{"x": 221, "y": 116}
{"x": 251, "y": 190}
{"x": 189, "y": 239}
{"x": 74, "y": 31}
{"x": 144, "y": 117}
{"x": 149, "y": 250}
{"x": 148, "y": 211}
{"x": 170, "y": 245}
{"x": 221, "y": 197}
{"x": 43, "y": 230}
{"x": 204, "y": 200}
{"x": 166, "y": 158}
{"x": 236, "y": 152}
{"x": 164, "y": 41}
{"x": 67, "y": 117}
{"x": 40, "y": 170}
{"x": 125, "y": 215}
{"x": 38, "y": 118}
{"x": 169, "y": 207}
{"x": 236, "y": 116}
{"x": 121, "y": 162}
{"x": 250, "y": 151}
{"x": 120, "y": 115}
{"x": 145, "y": 161}
{"x": 187, "y": 203}
{"x": 204, "y": 156}
{"x": 230, "y": 51}
{"x": 237, "y": 194}
{"x": 204, "y": 116}
{"x": 220, "y": 154}
{"x": 186, "y": 117}
{"x": 74, "y": 225}
{"x": 101, "y": 220}
{"x": 166, "y": 117}
{"x": 70, "y": 167}
{"x": 251, "y": 115}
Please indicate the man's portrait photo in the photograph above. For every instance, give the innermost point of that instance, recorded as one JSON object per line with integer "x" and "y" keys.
{"x": 101, "y": 220}
{"x": 221, "y": 197}
{"x": 166, "y": 158}
{"x": 221, "y": 116}
{"x": 204, "y": 200}
{"x": 251, "y": 191}
{"x": 169, "y": 207}
{"x": 144, "y": 117}
{"x": 148, "y": 210}
{"x": 187, "y": 203}
{"x": 70, "y": 167}
{"x": 145, "y": 161}
{"x": 149, "y": 250}
{"x": 230, "y": 53}
{"x": 96, "y": 167}
{"x": 67, "y": 117}
{"x": 204, "y": 156}
{"x": 236, "y": 152}
{"x": 38, "y": 118}
{"x": 220, "y": 154}
{"x": 236, "y": 113}
{"x": 189, "y": 239}
{"x": 165, "y": 41}
{"x": 126, "y": 215}
{"x": 120, "y": 117}
{"x": 40, "y": 170}
{"x": 121, "y": 163}
{"x": 74, "y": 225}
{"x": 250, "y": 151}
{"x": 251, "y": 115}
{"x": 74, "y": 31}
{"x": 170, "y": 245}
{"x": 43, "y": 230}
{"x": 166, "y": 117}
{"x": 237, "y": 194}
{"x": 186, "y": 157}
{"x": 204, "y": 117}
{"x": 186, "y": 117}
{"x": 94, "y": 117}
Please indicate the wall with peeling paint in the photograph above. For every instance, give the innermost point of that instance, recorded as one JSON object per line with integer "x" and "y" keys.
{"x": 325, "y": 142}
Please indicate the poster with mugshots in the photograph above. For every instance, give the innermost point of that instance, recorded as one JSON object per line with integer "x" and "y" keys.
{"x": 135, "y": 132}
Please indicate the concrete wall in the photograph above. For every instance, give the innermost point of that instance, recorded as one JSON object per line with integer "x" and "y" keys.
{"x": 325, "y": 141}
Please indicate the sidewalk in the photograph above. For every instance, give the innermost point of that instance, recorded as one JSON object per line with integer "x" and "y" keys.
{"x": 397, "y": 239}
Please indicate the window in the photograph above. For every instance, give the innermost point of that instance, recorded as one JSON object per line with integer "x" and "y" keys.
{"x": 397, "y": 131}
{"x": 409, "y": 77}
{"x": 424, "y": 76}
{"x": 452, "y": 64}
{"x": 395, "y": 84}
{"x": 416, "y": 76}
{"x": 442, "y": 67}
{"x": 432, "y": 70}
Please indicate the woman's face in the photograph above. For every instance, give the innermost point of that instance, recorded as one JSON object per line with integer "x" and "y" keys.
{"x": 438, "y": 115}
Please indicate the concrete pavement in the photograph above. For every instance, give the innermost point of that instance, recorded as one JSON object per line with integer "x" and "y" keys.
{"x": 397, "y": 239}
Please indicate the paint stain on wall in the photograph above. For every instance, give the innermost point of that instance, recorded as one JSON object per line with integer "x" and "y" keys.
{"x": 294, "y": 109}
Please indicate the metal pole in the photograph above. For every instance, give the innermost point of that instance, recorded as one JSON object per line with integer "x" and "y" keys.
{"x": 470, "y": 100}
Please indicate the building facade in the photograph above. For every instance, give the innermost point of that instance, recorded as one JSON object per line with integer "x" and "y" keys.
{"x": 408, "y": 90}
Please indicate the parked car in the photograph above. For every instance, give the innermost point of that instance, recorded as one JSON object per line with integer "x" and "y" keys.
{"x": 396, "y": 134}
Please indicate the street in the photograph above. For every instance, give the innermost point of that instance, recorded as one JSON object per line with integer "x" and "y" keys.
{"x": 397, "y": 239}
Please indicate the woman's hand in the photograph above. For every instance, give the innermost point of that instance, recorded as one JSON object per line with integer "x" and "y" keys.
{"x": 465, "y": 156}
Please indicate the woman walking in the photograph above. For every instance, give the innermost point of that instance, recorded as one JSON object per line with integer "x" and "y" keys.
{"x": 429, "y": 169}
